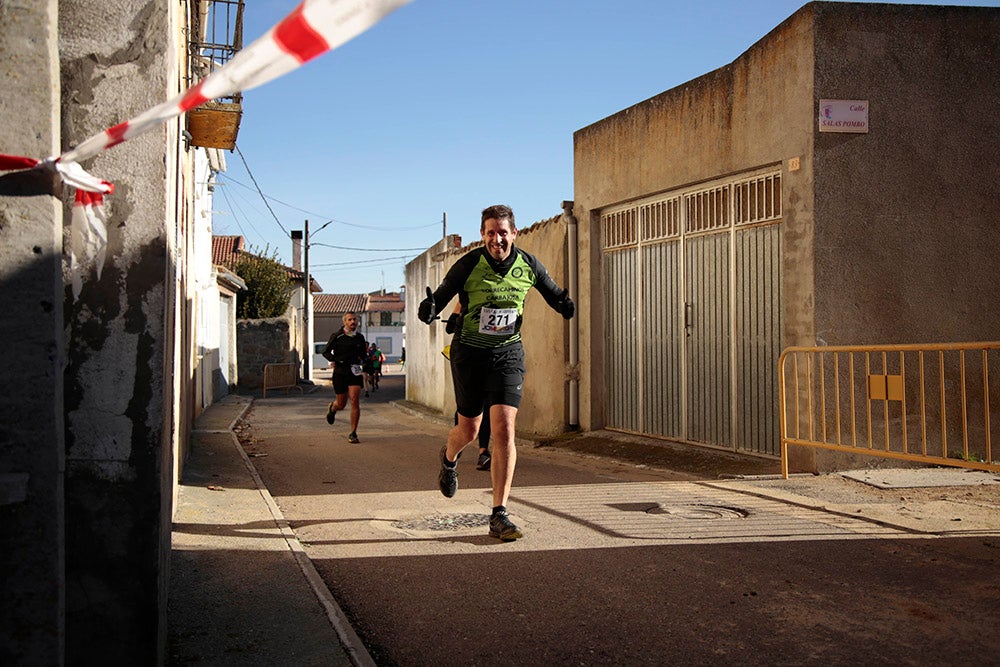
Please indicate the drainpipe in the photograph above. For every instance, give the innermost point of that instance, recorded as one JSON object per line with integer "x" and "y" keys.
{"x": 573, "y": 285}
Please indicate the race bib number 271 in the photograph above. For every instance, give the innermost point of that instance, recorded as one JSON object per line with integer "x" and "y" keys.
{"x": 498, "y": 321}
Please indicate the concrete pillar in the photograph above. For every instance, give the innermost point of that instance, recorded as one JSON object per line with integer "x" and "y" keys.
{"x": 118, "y": 59}
{"x": 32, "y": 517}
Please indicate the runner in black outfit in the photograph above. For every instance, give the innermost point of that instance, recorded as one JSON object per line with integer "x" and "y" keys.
{"x": 347, "y": 349}
{"x": 487, "y": 359}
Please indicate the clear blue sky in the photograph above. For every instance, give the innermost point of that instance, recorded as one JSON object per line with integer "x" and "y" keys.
{"x": 448, "y": 106}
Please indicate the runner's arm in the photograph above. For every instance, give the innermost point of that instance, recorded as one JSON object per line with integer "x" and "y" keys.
{"x": 453, "y": 282}
{"x": 328, "y": 350}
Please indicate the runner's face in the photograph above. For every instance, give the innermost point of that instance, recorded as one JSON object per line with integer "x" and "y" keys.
{"x": 498, "y": 237}
{"x": 351, "y": 322}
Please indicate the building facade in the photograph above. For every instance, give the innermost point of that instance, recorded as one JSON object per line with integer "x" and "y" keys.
{"x": 102, "y": 388}
{"x": 833, "y": 185}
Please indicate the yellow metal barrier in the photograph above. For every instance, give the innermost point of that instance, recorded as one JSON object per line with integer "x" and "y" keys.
{"x": 923, "y": 403}
{"x": 281, "y": 376}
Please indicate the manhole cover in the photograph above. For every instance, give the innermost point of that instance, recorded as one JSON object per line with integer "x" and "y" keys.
{"x": 694, "y": 511}
{"x": 701, "y": 511}
{"x": 444, "y": 522}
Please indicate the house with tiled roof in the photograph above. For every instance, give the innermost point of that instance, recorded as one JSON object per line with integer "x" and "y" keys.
{"x": 225, "y": 251}
{"x": 338, "y": 304}
{"x": 385, "y": 323}
{"x": 381, "y": 316}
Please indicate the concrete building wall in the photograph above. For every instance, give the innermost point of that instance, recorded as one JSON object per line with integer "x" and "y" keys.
{"x": 103, "y": 387}
{"x": 296, "y": 315}
{"x": 129, "y": 366}
{"x": 32, "y": 515}
{"x": 887, "y": 236}
{"x": 545, "y": 333}
{"x": 389, "y": 339}
{"x": 906, "y": 215}
{"x": 428, "y": 378}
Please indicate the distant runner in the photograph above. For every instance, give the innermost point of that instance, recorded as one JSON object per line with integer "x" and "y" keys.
{"x": 346, "y": 349}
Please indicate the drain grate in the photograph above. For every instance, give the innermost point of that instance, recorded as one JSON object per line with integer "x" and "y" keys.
{"x": 693, "y": 511}
{"x": 444, "y": 522}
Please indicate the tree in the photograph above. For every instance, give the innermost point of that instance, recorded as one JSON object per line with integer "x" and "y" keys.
{"x": 268, "y": 291}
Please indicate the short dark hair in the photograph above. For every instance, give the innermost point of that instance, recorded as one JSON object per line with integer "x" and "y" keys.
{"x": 499, "y": 212}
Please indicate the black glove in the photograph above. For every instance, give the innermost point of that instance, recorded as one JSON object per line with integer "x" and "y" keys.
{"x": 566, "y": 306}
{"x": 452, "y": 324}
{"x": 426, "y": 311}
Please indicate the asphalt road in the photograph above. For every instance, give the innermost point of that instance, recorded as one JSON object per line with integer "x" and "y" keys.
{"x": 619, "y": 564}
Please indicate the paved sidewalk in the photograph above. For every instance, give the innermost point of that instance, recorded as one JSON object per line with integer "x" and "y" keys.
{"x": 242, "y": 591}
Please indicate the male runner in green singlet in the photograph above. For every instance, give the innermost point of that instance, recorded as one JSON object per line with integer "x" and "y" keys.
{"x": 487, "y": 359}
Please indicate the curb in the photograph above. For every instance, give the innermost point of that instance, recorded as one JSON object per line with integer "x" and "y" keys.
{"x": 349, "y": 639}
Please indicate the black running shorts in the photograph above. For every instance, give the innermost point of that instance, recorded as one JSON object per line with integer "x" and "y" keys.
{"x": 342, "y": 379}
{"x": 495, "y": 376}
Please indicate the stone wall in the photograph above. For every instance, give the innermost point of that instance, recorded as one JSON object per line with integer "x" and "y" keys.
{"x": 260, "y": 342}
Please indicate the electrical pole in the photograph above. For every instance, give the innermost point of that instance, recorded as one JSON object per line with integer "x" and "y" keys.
{"x": 306, "y": 324}
{"x": 444, "y": 225}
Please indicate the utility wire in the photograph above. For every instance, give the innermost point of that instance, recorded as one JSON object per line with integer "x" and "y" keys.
{"x": 350, "y": 268}
{"x": 325, "y": 217}
{"x": 236, "y": 218}
{"x": 362, "y": 261}
{"x": 250, "y": 173}
{"x": 340, "y": 247}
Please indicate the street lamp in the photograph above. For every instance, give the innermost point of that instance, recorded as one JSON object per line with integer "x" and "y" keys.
{"x": 307, "y": 316}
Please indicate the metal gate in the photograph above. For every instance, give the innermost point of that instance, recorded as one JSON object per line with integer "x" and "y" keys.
{"x": 692, "y": 298}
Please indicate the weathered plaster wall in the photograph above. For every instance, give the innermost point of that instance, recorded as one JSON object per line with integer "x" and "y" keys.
{"x": 906, "y": 229}
{"x": 545, "y": 335}
{"x": 428, "y": 376}
{"x": 118, "y": 59}
{"x": 32, "y": 516}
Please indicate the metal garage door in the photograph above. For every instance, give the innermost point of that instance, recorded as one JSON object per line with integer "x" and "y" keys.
{"x": 692, "y": 297}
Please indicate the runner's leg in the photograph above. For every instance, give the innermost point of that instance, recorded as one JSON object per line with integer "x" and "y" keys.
{"x": 355, "y": 394}
{"x": 462, "y": 434}
{"x": 502, "y": 419}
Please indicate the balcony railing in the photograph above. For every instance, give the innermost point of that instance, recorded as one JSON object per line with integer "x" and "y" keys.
{"x": 216, "y": 36}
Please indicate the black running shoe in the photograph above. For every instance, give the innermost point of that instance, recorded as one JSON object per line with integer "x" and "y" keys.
{"x": 331, "y": 414}
{"x": 448, "y": 477}
{"x": 484, "y": 461}
{"x": 502, "y": 527}
{"x": 353, "y": 438}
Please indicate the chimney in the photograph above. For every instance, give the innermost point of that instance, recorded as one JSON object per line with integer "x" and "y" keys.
{"x": 297, "y": 249}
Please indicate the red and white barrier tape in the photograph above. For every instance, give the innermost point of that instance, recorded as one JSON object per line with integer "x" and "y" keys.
{"x": 312, "y": 29}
